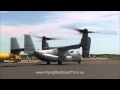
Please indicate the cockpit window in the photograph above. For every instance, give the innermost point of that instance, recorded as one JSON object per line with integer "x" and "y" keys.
{"x": 78, "y": 53}
{"x": 71, "y": 51}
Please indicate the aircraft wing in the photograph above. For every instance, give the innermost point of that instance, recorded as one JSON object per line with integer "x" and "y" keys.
{"x": 66, "y": 47}
{"x": 69, "y": 47}
{"x": 62, "y": 50}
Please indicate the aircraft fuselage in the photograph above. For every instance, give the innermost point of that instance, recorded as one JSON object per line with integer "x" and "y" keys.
{"x": 56, "y": 55}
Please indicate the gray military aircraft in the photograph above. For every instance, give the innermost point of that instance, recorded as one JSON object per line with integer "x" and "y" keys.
{"x": 59, "y": 54}
{"x": 85, "y": 41}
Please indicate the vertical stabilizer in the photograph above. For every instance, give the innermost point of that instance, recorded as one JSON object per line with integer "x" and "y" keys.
{"x": 14, "y": 46}
{"x": 28, "y": 45}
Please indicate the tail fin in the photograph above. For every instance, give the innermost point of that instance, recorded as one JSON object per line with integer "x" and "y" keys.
{"x": 15, "y": 48}
{"x": 28, "y": 45}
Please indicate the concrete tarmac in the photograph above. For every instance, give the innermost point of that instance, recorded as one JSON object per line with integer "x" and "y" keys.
{"x": 88, "y": 69}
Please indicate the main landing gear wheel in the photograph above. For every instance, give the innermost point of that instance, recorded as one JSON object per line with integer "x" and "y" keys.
{"x": 79, "y": 62}
{"x": 48, "y": 62}
{"x": 59, "y": 62}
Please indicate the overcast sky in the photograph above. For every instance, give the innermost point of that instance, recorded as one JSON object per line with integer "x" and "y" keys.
{"x": 50, "y": 23}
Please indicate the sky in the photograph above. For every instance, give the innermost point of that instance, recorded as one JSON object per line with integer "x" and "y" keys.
{"x": 51, "y": 24}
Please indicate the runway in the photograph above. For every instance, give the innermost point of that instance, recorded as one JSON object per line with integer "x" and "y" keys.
{"x": 88, "y": 69}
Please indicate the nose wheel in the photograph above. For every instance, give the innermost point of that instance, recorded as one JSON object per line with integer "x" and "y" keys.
{"x": 59, "y": 62}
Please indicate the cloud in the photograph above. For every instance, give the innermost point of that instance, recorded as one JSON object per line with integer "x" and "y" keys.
{"x": 54, "y": 20}
{"x": 51, "y": 27}
{"x": 4, "y": 11}
{"x": 73, "y": 17}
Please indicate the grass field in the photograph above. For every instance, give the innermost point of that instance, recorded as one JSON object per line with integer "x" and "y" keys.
{"x": 111, "y": 57}
{"x": 114, "y": 58}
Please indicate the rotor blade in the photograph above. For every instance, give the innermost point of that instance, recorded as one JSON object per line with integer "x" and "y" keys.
{"x": 78, "y": 30}
{"x": 50, "y": 38}
{"x": 47, "y": 38}
{"x": 34, "y": 35}
{"x": 72, "y": 27}
{"x": 43, "y": 37}
{"x": 81, "y": 30}
{"x": 110, "y": 32}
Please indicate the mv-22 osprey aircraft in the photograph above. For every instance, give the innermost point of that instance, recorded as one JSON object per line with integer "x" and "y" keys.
{"x": 55, "y": 54}
{"x": 59, "y": 54}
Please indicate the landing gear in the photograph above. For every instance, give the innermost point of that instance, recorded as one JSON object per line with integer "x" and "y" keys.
{"x": 59, "y": 62}
{"x": 16, "y": 61}
{"x": 79, "y": 62}
{"x": 19, "y": 60}
{"x": 48, "y": 62}
{"x": 1, "y": 61}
